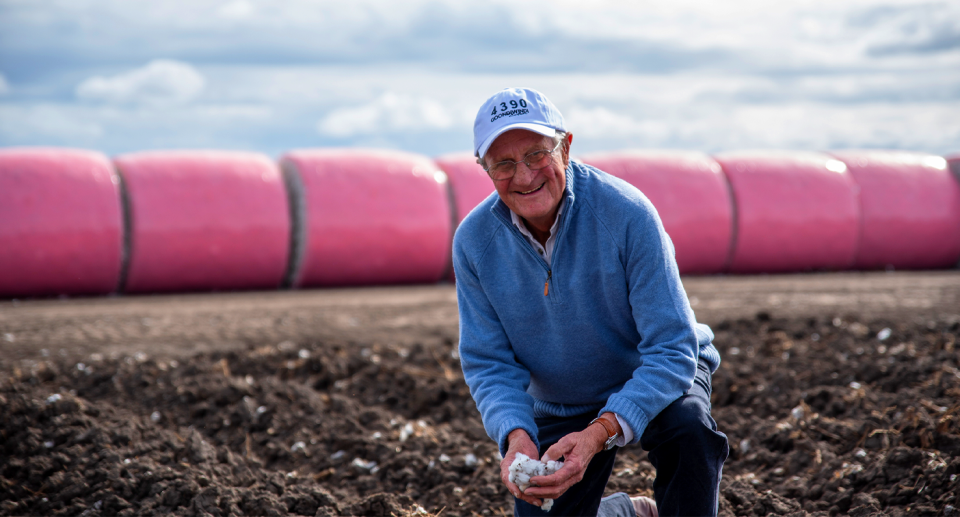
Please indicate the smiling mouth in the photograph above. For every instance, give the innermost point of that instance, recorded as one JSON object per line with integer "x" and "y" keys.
{"x": 532, "y": 191}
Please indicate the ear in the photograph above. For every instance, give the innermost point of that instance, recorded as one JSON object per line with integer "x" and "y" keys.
{"x": 566, "y": 150}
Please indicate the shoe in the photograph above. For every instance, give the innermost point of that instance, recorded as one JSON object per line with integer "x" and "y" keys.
{"x": 644, "y": 506}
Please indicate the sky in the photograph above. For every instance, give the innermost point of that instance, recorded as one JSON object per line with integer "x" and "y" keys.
{"x": 270, "y": 76}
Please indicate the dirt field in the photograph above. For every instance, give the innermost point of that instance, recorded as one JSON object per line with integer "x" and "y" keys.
{"x": 840, "y": 393}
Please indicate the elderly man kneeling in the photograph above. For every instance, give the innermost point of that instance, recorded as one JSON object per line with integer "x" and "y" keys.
{"x": 576, "y": 336}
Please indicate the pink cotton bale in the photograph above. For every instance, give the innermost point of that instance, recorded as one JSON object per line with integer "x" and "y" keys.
{"x": 691, "y": 195}
{"x": 61, "y": 224}
{"x": 469, "y": 182}
{"x": 370, "y": 217}
{"x": 794, "y": 211}
{"x": 205, "y": 220}
{"x": 910, "y": 205}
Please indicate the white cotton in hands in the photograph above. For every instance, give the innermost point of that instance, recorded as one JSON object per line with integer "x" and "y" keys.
{"x": 523, "y": 468}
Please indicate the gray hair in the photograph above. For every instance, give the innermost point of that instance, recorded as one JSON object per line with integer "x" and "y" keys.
{"x": 561, "y": 135}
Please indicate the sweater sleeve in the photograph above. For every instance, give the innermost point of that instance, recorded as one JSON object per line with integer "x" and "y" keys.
{"x": 668, "y": 339}
{"x": 497, "y": 381}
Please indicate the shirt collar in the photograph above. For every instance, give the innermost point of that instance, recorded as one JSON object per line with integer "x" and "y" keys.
{"x": 523, "y": 228}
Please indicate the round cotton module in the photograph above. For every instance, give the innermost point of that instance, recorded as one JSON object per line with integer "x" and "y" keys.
{"x": 910, "y": 205}
{"x": 469, "y": 182}
{"x": 369, "y": 217}
{"x": 60, "y": 222}
{"x": 205, "y": 220}
{"x": 691, "y": 195}
{"x": 794, "y": 211}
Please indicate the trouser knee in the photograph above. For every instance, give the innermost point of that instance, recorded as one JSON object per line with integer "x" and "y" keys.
{"x": 687, "y": 424}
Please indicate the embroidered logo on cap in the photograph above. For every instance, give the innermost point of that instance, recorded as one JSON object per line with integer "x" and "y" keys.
{"x": 515, "y": 108}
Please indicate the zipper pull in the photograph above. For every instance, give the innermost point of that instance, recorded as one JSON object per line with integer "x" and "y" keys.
{"x": 546, "y": 285}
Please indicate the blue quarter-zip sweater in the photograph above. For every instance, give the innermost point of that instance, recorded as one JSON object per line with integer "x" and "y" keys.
{"x": 605, "y": 327}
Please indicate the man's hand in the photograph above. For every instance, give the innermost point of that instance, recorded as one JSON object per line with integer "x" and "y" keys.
{"x": 518, "y": 441}
{"x": 577, "y": 449}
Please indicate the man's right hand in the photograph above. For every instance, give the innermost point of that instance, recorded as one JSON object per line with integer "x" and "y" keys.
{"x": 518, "y": 441}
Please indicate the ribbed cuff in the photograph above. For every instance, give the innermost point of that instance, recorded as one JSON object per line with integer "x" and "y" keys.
{"x": 629, "y": 412}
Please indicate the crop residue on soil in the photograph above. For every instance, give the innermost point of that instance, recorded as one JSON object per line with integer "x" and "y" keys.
{"x": 824, "y": 417}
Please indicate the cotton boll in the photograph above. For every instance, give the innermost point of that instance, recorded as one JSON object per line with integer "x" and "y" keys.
{"x": 552, "y": 466}
{"x": 406, "y": 432}
{"x": 797, "y": 413}
{"x": 523, "y": 468}
{"x": 365, "y": 465}
{"x": 521, "y": 479}
{"x": 470, "y": 461}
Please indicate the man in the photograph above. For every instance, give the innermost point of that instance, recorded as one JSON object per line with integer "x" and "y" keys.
{"x": 576, "y": 335}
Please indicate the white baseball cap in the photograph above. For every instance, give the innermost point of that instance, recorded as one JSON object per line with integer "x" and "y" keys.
{"x": 514, "y": 108}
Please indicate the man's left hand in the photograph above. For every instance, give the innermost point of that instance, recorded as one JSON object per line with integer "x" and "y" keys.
{"x": 576, "y": 449}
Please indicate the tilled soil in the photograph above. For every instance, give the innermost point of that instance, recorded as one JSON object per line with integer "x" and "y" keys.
{"x": 829, "y": 410}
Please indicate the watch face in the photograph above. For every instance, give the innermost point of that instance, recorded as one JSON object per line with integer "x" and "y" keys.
{"x": 610, "y": 442}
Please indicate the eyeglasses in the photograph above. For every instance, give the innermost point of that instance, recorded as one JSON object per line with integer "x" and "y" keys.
{"x": 536, "y": 160}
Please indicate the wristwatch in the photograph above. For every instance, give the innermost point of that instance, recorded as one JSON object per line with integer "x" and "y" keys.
{"x": 611, "y": 429}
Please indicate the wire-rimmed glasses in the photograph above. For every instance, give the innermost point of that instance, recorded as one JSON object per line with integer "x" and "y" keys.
{"x": 535, "y": 160}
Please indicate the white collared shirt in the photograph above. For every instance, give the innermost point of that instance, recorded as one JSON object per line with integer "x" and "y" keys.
{"x": 545, "y": 251}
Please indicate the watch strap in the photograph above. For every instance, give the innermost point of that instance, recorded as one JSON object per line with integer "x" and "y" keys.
{"x": 607, "y": 426}
{"x": 611, "y": 430}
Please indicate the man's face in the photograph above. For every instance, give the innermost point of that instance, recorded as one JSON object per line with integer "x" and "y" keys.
{"x": 532, "y": 194}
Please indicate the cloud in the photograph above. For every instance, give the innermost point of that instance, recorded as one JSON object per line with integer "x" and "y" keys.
{"x": 497, "y": 36}
{"x": 931, "y": 127}
{"x": 599, "y": 122}
{"x": 46, "y": 124}
{"x": 687, "y": 73}
{"x": 494, "y": 36}
{"x": 125, "y": 128}
{"x": 160, "y": 82}
{"x": 912, "y": 29}
{"x": 237, "y": 10}
{"x": 4, "y": 85}
{"x": 824, "y": 126}
{"x": 389, "y": 113}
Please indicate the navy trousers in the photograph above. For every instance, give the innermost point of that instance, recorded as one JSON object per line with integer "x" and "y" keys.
{"x": 683, "y": 444}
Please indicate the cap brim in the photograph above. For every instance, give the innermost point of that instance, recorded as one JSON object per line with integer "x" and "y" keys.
{"x": 529, "y": 126}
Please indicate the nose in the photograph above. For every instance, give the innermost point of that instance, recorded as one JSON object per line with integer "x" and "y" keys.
{"x": 524, "y": 173}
